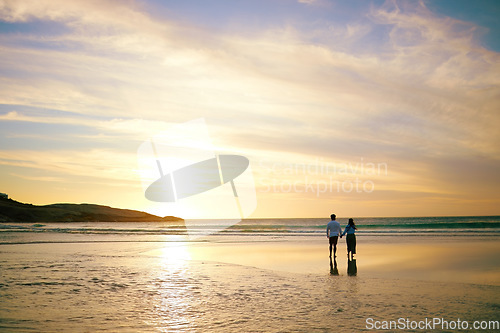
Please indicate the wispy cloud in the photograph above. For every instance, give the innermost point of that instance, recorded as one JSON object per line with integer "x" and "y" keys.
{"x": 307, "y": 2}
{"x": 98, "y": 164}
{"x": 38, "y": 178}
{"x": 132, "y": 127}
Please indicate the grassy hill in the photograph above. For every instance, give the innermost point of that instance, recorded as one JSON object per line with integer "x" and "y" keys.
{"x": 14, "y": 211}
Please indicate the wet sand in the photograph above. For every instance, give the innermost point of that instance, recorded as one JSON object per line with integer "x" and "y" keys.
{"x": 434, "y": 258}
{"x": 251, "y": 285}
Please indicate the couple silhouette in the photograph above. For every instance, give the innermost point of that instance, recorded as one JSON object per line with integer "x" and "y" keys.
{"x": 333, "y": 232}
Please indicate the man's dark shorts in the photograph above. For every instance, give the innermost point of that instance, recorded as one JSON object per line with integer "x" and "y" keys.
{"x": 333, "y": 240}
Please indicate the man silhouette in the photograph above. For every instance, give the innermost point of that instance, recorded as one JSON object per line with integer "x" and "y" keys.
{"x": 333, "y": 231}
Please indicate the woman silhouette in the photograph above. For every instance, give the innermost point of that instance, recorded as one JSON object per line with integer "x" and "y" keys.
{"x": 350, "y": 229}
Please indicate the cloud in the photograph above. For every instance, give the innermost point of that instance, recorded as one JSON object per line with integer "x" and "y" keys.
{"x": 77, "y": 12}
{"x": 273, "y": 72}
{"x": 50, "y": 179}
{"x": 131, "y": 128}
{"x": 398, "y": 85}
{"x": 307, "y": 2}
{"x": 107, "y": 166}
{"x": 16, "y": 116}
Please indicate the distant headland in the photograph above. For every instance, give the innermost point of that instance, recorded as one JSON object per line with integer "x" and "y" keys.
{"x": 14, "y": 211}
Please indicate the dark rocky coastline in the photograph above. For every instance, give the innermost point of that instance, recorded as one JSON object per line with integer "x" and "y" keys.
{"x": 14, "y": 211}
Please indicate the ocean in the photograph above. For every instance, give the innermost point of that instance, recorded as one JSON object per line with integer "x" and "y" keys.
{"x": 148, "y": 231}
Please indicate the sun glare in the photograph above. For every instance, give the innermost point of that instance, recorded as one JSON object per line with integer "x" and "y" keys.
{"x": 175, "y": 253}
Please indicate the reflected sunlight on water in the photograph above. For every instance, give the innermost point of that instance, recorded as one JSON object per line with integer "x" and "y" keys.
{"x": 175, "y": 253}
{"x": 173, "y": 301}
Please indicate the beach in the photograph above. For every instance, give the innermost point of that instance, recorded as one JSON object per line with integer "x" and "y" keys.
{"x": 251, "y": 283}
{"x": 172, "y": 166}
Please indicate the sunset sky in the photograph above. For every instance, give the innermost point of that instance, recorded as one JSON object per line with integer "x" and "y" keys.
{"x": 362, "y": 108}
